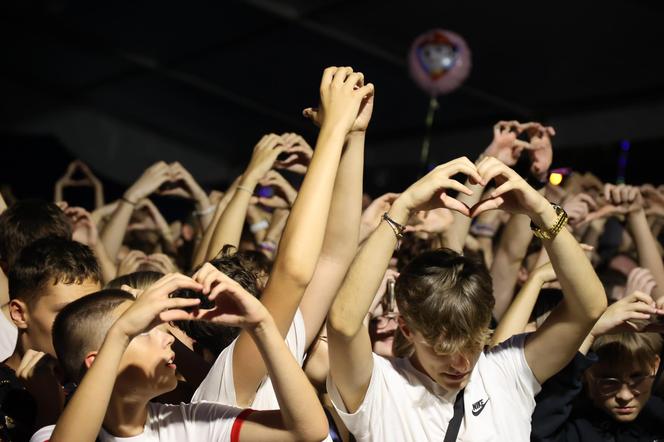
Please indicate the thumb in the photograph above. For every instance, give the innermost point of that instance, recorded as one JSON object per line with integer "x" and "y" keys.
{"x": 310, "y": 113}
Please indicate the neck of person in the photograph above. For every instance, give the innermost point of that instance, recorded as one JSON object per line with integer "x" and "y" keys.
{"x": 126, "y": 414}
{"x": 22, "y": 345}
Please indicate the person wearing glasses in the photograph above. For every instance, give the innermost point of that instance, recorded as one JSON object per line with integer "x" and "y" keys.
{"x": 606, "y": 392}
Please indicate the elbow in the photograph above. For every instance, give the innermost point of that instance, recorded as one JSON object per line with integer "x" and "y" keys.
{"x": 292, "y": 268}
{"x": 597, "y": 308}
{"x": 314, "y": 431}
{"x": 340, "y": 325}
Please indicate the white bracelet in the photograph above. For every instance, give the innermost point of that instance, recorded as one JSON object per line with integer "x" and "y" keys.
{"x": 260, "y": 225}
{"x": 205, "y": 211}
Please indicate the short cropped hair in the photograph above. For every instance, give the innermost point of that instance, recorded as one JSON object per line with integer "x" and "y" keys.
{"x": 49, "y": 261}
{"x": 27, "y": 221}
{"x": 137, "y": 280}
{"x": 448, "y": 298}
{"x": 81, "y": 328}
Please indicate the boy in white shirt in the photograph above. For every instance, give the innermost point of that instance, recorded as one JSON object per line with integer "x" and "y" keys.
{"x": 116, "y": 347}
{"x": 445, "y": 302}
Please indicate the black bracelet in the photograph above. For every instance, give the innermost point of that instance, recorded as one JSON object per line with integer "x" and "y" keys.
{"x": 127, "y": 201}
{"x": 397, "y": 228}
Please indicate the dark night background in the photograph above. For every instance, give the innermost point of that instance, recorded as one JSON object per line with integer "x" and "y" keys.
{"x": 123, "y": 84}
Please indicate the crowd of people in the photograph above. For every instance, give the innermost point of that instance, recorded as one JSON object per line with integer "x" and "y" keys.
{"x": 485, "y": 302}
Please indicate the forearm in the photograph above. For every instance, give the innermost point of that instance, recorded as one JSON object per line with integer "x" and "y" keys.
{"x": 507, "y": 261}
{"x": 364, "y": 277}
{"x": 108, "y": 268}
{"x": 582, "y": 289}
{"x": 646, "y": 246}
{"x": 300, "y": 409}
{"x": 341, "y": 237}
{"x": 114, "y": 231}
{"x": 461, "y": 225}
{"x": 516, "y": 317}
{"x": 231, "y": 222}
{"x": 200, "y": 253}
{"x": 83, "y": 416}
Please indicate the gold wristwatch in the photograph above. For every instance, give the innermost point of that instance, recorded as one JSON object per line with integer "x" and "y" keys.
{"x": 551, "y": 233}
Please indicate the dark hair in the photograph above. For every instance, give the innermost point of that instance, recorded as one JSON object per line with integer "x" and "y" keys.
{"x": 49, "y": 261}
{"x": 82, "y": 326}
{"x": 448, "y": 298}
{"x": 136, "y": 280}
{"x": 242, "y": 267}
{"x": 27, "y": 221}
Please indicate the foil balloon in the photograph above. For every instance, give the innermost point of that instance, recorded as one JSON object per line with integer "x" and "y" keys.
{"x": 439, "y": 61}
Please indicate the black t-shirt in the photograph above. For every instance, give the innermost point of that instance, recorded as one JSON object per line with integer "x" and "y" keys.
{"x": 18, "y": 409}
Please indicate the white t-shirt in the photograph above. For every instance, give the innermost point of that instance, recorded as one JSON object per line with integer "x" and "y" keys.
{"x": 8, "y": 335}
{"x": 218, "y": 385}
{"x": 203, "y": 421}
{"x": 403, "y": 404}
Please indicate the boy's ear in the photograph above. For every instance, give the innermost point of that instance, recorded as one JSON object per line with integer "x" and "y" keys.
{"x": 90, "y": 358}
{"x": 656, "y": 363}
{"x": 19, "y": 312}
{"x": 405, "y": 330}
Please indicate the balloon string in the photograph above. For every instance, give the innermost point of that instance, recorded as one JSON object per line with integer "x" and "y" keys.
{"x": 426, "y": 143}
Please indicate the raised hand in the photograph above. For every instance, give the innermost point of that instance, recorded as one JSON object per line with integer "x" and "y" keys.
{"x": 265, "y": 154}
{"x": 89, "y": 180}
{"x": 625, "y": 314}
{"x": 153, "y": 177}
{"x": 626, "y": 198}
{"x": 234, "y": 306}
{"x": 361, "y": 123}
{"x": 578, "y": 207}
{"x": 84, "y": 228}
{"x": 505, "y": 145}
{"x": 640, "y": 280}
{"x": 431, "y": 191}
{"x": 155, "y": 305}
{"x": 342, "y": 93}
{"x": 131, "y": 262}
{"x": 281, "y": 187}
{"x": 540, "y": 149}
{"x": 299, "y": 154}
{"x": 512, "y": 194}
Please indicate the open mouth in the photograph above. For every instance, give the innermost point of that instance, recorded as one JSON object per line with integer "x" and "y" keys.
{"x": 171, "y": 363}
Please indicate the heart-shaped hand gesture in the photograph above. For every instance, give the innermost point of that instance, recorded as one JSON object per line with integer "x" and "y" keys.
{"x": 512, "y": 193}
{"x": 430, "y": 192}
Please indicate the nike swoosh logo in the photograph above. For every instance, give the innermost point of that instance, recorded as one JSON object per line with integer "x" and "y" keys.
{"x": 479, "y": 406}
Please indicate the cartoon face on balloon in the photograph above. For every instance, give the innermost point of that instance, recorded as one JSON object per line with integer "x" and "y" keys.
{"x": 437, "y": 57}
{"x": 439, "y": 61}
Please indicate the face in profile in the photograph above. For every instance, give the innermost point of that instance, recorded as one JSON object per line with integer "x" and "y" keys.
{"x": 621, "y": 392}
{"x": 44, "y": 310}
{"x": 450, "y": 371}
{"x": 148, "y": 366}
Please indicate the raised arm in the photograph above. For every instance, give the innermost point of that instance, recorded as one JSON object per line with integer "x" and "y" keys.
{"x": 114, "y": 231}
{"x": 516, "y": 317}
{"x": 200, "y": 252}
{"x": 629, "y": 198}
{"x": 504, "y": 147}
{"x": 554, "y": 344}
{"x": 342, "y": 92}
{"x": 301, "y": 416}
{"x": 341, "y": 237}
{"x": 84, "y": 414}
{"x": 228, "y": 229}
{"x": 509, "y": 255}
{"x": 351, "y": 361}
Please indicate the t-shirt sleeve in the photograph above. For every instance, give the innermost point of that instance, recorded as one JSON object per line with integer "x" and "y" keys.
{"x": 359, "y": 422}
{"x": 509, "y": 361}
{"x": 218, "y": 385}
{"x": 43, "y": 434}
{"x": 210, "y": 421}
